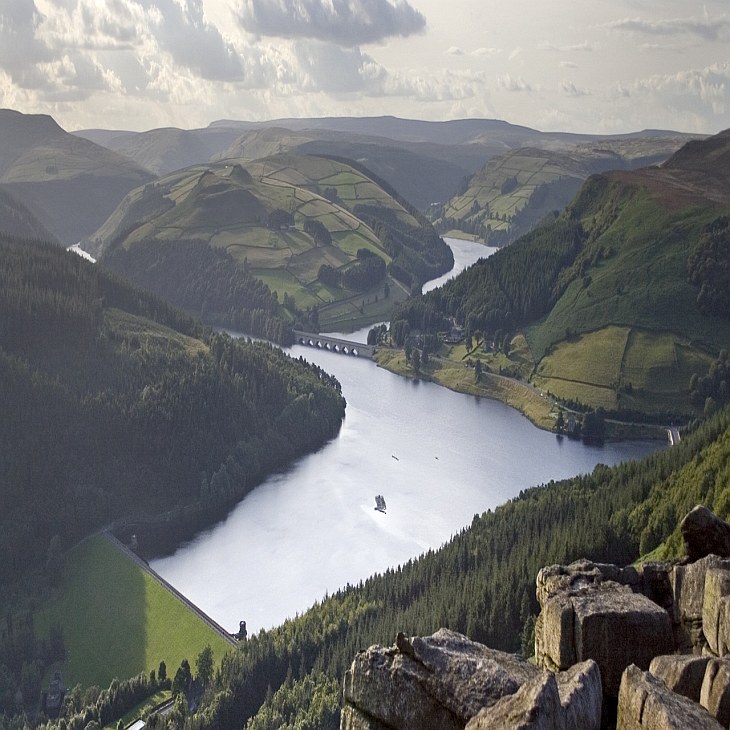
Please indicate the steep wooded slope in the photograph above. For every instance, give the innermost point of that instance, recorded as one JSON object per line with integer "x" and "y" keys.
{"x": 114, "y": 404}
{"x": 622, "y": 297}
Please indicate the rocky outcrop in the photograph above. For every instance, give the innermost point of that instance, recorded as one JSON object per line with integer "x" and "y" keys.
{"x": 600, "y": 627}
{"x": 646, "y": 703}
{"x": 445, "y": 681}
{"x": 704, "y": 533}
{"x": 588, "y": 618}
{"x": 437, "y": 682}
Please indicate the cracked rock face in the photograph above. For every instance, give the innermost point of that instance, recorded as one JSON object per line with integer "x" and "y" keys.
{"x": 438, "y": 682}
{"x": 587, "y": 617}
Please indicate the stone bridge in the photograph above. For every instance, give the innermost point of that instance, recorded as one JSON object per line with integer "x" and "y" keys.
{"x": 334, "y": 344}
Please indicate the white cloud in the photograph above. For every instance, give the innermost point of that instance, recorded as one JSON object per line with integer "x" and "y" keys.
{"x": 585, "y": 46}
{"x": 709, "y": 29}
{"x": 454, "y": 51}
{"x": 706, "y": 89}
{"x": 486, "y": 52}
{"x": 507, "y": 82}
{"x": 343, "y": 22}
{"x": 570, "y": 89}
{"x": 568, "y": 64}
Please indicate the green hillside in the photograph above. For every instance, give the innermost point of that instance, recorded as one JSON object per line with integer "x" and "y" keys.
{"x": 117, "y": 408}
{"x": 336, "y": 247}
{"x": 515, "y": 191}
{"x": 621, "y": 299}
{"x": 117, "y": 621}
{"x": 135, "y": 408}
{"x": 69, "y": 184}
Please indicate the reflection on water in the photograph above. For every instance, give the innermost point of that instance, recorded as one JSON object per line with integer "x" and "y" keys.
{"x": 436, "y": 456}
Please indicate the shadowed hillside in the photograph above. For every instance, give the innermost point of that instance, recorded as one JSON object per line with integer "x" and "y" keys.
{"x": 69, "y": 184}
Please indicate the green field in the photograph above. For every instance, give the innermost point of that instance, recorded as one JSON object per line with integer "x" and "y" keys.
{"x": 117, "y": 621}
{"x": 228, "y": 206}
{"x": 622, "y": 367}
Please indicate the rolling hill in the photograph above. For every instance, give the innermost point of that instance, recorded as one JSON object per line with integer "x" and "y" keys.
{"x": 425, "y": 161}
{"x": 513, "y": 192}
{"x": 327, "y": 237}
{"x": 622, "y": 299}
{"x": 69, "y": 184}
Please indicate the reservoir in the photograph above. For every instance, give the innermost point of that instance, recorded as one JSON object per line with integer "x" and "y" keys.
{"x": 437, "y": 457}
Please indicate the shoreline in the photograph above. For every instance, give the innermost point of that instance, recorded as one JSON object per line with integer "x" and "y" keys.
{"x": 521, "y": 396}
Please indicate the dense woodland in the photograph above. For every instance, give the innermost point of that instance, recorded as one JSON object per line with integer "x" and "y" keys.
{"x": 129, "y": 414}
{"x": 206, "y": 282}
{"x": 514, "y": 286}
{"x": 482, "y": 583}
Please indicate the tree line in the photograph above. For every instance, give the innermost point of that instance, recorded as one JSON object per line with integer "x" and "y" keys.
{"x": 128, "y": 413}
{"x": 206, "y": 282}
{"x": 482, "y": 582}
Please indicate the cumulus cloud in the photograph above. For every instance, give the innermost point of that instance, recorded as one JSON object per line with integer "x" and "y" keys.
{"x": 20, "y": 50}
{"x": 709, "y": 29}
{"x": 689, "y": 90}
{"x": 454, "y": 51}
{"x": 585, "y": 46}
{"x": 507, "y": 82}
{"x": 486, "y": 51}
{"x": 182, "y": 31}
{"x": 570, "y": 89}
{"x": 334, "y": 70}
{"x": 71, "y": 49}
{"x": 346, "y": 23}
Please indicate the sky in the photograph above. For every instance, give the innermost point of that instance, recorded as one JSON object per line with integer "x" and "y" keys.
{"x": 598, "y": 66}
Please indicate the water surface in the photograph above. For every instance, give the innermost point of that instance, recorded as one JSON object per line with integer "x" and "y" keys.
{"x": 438, "y": 458}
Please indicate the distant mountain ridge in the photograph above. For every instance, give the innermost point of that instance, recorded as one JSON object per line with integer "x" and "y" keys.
{"x": 425, "y": 161}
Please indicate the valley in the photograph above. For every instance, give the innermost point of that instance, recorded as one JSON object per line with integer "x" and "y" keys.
{"x": 233, "y": 465}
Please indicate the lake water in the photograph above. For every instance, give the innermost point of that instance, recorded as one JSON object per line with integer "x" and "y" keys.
{"x": 438, "y": 458}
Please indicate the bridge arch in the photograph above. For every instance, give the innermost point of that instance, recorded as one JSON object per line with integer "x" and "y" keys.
{"x": 334, "y": 344}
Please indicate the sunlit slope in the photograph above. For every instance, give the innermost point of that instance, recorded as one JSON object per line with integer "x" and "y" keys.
{"x": 268, "y": 216}
{"x": 632, "y": 322}
{"x": 513, "y": 192}
{"x": 118, "y": 621}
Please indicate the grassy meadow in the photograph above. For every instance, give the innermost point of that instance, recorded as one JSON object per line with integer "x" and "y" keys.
{"x": 117, "y": 621}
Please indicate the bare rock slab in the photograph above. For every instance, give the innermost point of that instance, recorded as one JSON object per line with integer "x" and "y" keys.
{"x": 438, "y": 682}
{"x": 605, "y": 622}
{"x": 716, "y": 610}
{"x": 646, "y": 703}
{"x": 535, "y": 706}
{"x": 715, "y": 691}
{"x": 682, "y": 673}
{"x": 581, "y": 695}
